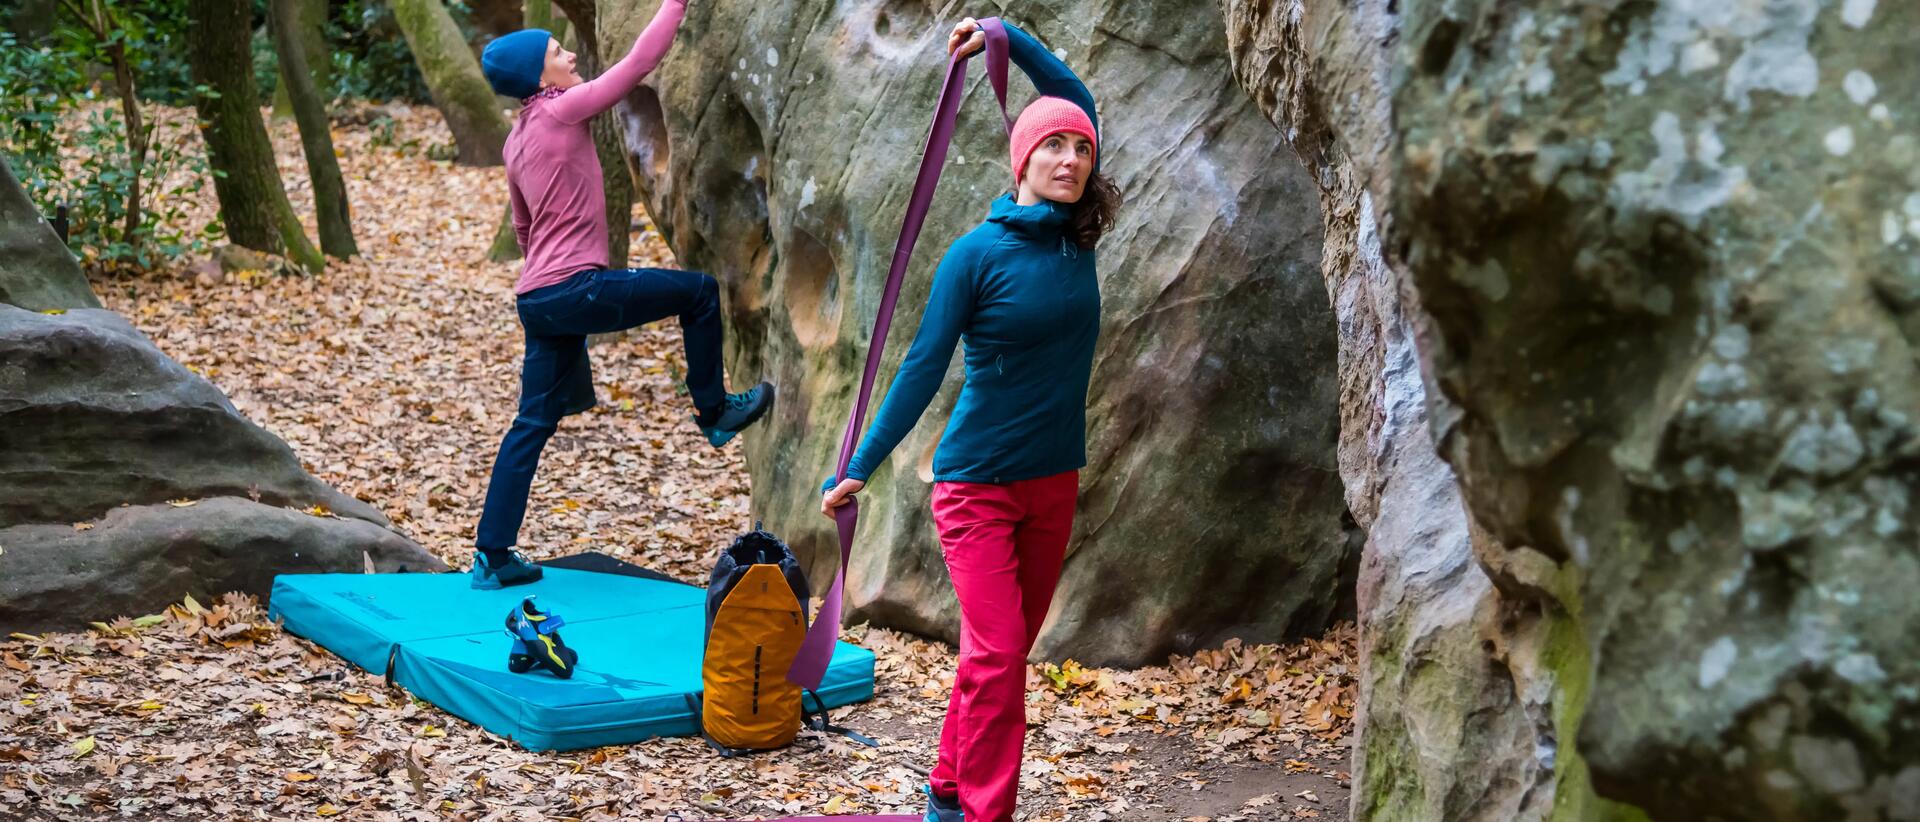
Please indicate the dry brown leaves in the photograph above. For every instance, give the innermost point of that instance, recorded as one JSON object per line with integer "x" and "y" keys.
{"x": 394, "y": 375}
{"x": 1246, "y": 699}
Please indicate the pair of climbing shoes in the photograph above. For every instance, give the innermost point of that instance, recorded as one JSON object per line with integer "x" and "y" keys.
{"x": 536, "y": 642}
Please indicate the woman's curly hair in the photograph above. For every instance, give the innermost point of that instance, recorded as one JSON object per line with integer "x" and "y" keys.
{"x": 1094, "y": 214}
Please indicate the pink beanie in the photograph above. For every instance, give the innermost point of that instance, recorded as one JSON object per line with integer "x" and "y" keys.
{"x": 1044, "y": 118}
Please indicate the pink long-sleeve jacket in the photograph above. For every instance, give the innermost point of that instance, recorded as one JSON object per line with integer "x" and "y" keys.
{"x": 553, "y": 173}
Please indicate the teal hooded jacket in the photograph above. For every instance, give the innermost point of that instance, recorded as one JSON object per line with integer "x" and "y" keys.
{"x": 1024, "y": 298}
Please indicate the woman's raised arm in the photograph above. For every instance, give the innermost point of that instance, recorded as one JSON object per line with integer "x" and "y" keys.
{"x": 600, "y": 93}
{"x": 1051, "y": 76}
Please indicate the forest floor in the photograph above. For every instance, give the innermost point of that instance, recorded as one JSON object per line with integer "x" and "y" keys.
{"x": 393, "y": 375}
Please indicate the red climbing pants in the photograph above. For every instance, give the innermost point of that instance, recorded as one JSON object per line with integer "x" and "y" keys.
{"x": 1004, "y": 546}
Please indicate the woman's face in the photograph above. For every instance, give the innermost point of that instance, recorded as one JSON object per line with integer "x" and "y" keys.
{"x": 560, "y": 71}
{"x": 1059, "y": 168}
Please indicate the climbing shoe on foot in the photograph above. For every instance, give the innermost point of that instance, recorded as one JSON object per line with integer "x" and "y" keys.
{"x": 515, "y": 570}
{"x": 536, "y": 642}
{"x": 940, "y": 809}
{"x": 741, "y": 410}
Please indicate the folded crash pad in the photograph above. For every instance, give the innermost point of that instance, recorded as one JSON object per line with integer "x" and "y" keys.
{"x": 639, "y": 635}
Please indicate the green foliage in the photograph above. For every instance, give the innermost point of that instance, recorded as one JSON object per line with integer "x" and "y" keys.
{"x": 62, "y": 131}
{"x": 36, "y": 90}
{"x": 157, "y": 48}
{"x": 153, "y": 32}
{"x": 97, "y": 194}
{"x": 385, "y": 132}
{"x": 371, "y": 60}
{"x": 68, "y": 145}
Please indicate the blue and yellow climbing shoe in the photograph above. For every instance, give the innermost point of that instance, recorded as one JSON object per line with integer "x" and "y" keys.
{"x": 536, "y": 642}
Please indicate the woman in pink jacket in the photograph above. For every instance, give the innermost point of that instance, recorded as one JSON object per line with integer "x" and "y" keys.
{"x": 566, "y": 289}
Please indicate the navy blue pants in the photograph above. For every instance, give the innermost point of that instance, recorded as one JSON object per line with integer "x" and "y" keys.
{"x": 556, "y": 379}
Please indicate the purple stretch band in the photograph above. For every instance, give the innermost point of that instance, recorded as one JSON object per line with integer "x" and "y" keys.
{"x": 810, "y": 666}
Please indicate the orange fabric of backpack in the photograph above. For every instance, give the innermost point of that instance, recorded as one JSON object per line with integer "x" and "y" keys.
{"x": 756, "y": 620}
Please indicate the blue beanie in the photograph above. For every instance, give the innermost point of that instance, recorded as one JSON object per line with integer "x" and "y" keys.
{"x": 513, "y": 63}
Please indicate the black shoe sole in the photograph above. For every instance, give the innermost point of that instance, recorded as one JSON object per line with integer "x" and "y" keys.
{"x": 536, "y": 576}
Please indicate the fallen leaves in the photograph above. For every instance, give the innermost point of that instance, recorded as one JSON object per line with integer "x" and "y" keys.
{"x": 1261, "y": 697}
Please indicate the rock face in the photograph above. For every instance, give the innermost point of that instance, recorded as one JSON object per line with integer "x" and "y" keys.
{"x": 99, "y": 431}
{"x": 1442, "y": 732}
{"x": 775, "y": 149}
{"x": 1668, "y": 251}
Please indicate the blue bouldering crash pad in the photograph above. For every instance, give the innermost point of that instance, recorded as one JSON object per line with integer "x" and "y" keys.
{"x": 639, "y": 636}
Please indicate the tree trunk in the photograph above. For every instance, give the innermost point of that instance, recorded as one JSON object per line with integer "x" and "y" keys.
{"x": 311, "y": 33}
{"x": 316, "y": 137}
{"x": 619, "y": 182}
{"x": 581, "y": 13}
{"x": 253, "y": 203}
{"x": 453, "y": 76}
{"x": 539, "y": 15}
{"x": 136, "y": 133}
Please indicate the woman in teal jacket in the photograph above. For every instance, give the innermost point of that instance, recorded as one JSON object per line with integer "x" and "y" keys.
{"x": 1022, "y": 293}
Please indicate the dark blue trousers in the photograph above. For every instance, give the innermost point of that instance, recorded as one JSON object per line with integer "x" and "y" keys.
{"x": 556, "y": 379}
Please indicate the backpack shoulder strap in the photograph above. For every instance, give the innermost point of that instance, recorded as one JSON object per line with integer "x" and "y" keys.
{"x": 822, "y": 721}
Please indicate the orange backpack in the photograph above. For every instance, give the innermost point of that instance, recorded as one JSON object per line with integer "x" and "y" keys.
{"x": 756, "y": 619}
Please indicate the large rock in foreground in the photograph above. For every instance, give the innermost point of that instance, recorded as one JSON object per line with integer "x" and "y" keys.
{"x": 776, "y": 148}
{"x": 134, "y": 560}
{"x": 127, "y": 481}
{"x": 1671, "y": 255}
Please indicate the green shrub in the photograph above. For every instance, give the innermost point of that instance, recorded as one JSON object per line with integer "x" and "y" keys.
{"x": 371, "y": 60}
{"x": 69, "y": 146}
